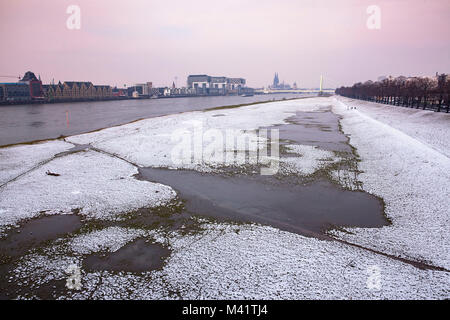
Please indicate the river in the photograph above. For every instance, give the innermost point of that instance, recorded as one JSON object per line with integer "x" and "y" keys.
{"x": 26, "y": 123}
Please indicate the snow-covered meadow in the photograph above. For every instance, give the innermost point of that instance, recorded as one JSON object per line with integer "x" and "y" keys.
{"x": 96, "y": 185}
{"x": 235, "y": 262}
{"x": 223, "y": 260}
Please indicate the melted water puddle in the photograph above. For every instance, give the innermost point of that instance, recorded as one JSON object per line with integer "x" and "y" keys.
{"x": 319, "y": 129}
{"x": 32, "y": 235}
{"x": 137, "y": 256}
{"x": 38, "y": 231}
{"x": 306, "y": 209}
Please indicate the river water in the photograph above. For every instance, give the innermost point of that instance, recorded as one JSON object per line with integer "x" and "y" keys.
{"x": 26, "y": 123}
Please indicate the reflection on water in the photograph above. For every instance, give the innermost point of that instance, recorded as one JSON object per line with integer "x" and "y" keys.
{"x": 37, "y": 231}
{"x": 37, "y": 124}
{"x": 138, "y": 256}
{"x": 25, "y": 123}
{"x": 306, "y": 209}
{"x": 315, "y": 129}
{"x": 33, "y": 110}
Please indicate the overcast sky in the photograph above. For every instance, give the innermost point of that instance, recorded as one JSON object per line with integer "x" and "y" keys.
{"x": 127, "y": 42}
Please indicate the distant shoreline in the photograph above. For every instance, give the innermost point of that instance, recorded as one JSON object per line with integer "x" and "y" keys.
{"x": 12, "y": 103}
{"x": 60, "y": 134}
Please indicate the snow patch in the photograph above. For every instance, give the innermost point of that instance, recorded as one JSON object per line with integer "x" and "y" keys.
{"x": 109, "y": 239}
{"x": 411, "y": 176}
{"x": 104, "y": 188}
{"x": 310, "y": 159}
{"x": 18, "y": 159}
{"x": 226, "y": 261}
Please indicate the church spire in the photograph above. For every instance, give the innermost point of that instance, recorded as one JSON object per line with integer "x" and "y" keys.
{"x": 276, "y": 80}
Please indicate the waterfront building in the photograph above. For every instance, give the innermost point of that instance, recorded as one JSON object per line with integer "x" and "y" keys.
{"x": 199, "y": 82}
{"x": 35, "y": 85}
{"x": 76, "y": 90}
{"x": 31, "y": 89}
{"x": 58, "y": 91}
{"x": 135, "y": 91}
{"x": 218, "y": 86}
{"x": 15, "y": 92}
{"x": 234, "y": 85}
{"x": 27, "y": 89}
{"x": 153, "y": 92}
{"x": 119, "y": 92}
{"x": 49, "y": 92}
{"x": 142, "y": 89}
{"x": 202, "y": 84}
{"x": 277, "y": 85}
{"x": 53, "y": 92}
{"x": 276, "y": 81}
{"x": 103, "y": 91}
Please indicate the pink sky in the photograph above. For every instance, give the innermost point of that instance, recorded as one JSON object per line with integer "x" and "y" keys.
{"x": 127, "y": 42}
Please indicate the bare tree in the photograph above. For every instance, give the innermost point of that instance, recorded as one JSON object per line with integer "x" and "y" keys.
{"x": 417, "y": 92}
{"x": 441, "y": 82}
{"x": 447, "y": 94}
{"x": 425, "y": 86}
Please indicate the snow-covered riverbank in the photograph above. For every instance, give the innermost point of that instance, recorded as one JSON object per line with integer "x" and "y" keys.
{"x": 243, "y": 261}
{"x": 404, "y": 160}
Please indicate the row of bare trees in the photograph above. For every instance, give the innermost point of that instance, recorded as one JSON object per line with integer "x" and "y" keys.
{"x": 413, "y": 92}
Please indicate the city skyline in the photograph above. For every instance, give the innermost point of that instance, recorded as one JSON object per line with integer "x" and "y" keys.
{"x": 121, "y": 43}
